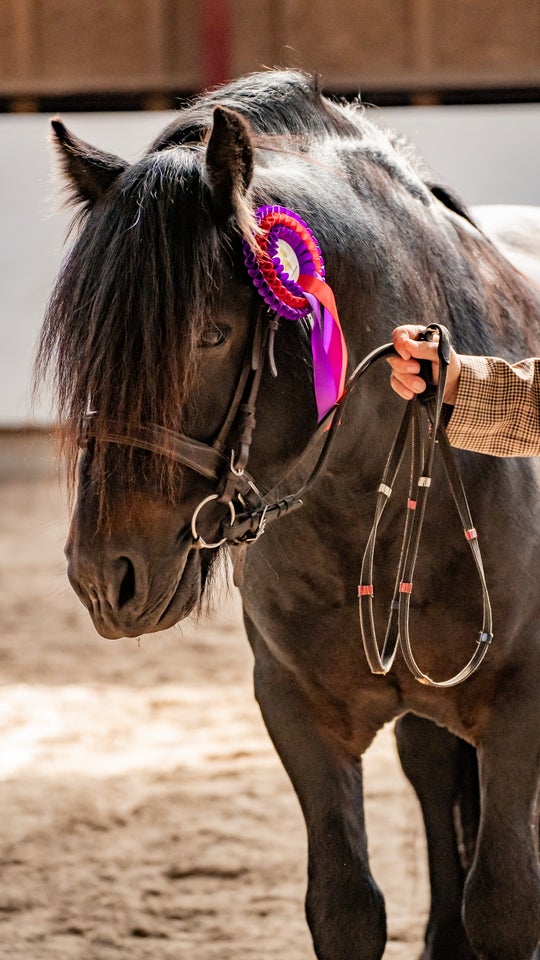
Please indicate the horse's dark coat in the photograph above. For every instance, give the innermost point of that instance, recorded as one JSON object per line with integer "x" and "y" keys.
{"x": 149, "y": 321}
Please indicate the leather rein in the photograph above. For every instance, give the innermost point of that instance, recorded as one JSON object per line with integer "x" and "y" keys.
{"x": 225, "y": 464}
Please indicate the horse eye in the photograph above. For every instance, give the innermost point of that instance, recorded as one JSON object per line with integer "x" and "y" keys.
{"x": 213, "y": 336}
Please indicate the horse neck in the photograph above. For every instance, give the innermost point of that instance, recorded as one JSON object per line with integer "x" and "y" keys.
{"x": 459, "y": 279}
{"x": 491, "y": 307}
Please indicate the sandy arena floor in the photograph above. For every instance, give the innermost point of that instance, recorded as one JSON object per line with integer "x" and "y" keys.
{"x": 144, "y": 814}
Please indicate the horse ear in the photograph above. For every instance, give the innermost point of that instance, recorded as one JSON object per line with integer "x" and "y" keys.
{"x": 89, "y": 172}
{"x": 451, "y": 200}
{"x": 229, "y": 160}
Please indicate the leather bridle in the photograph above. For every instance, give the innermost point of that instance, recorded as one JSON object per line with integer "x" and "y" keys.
{"x": 225, "y": 459}
{"x": 224, "y": 462}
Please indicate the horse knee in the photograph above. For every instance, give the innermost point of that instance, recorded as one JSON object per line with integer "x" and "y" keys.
{"x": 346, "y": 915}
{"x": 501, "y": 904}
{"x": 502, "y": 911}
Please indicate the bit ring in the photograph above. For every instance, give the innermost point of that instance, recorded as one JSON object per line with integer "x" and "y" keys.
{"x": 197, "y": 539}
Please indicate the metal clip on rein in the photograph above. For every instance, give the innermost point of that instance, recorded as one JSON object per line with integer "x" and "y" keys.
{"x": 397, "y": 630}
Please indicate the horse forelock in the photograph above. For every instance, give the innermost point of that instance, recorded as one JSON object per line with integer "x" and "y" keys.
{"x": 143, "y": 278}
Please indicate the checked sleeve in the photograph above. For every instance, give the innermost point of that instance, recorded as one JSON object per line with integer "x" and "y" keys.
{"x": 497, "y": 410}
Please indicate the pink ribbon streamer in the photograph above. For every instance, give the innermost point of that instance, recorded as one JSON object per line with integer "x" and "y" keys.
{"x": 327, "y": 344}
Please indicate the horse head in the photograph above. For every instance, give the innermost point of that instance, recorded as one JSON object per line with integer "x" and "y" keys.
{"x": 159, "y": 337}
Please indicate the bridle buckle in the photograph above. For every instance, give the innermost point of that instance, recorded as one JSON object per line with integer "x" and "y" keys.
{"x": 236, "y": 471}
{"x": 252, "y": 537}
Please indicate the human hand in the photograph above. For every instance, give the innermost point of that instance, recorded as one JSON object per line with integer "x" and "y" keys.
{"x": 405, "y": 379}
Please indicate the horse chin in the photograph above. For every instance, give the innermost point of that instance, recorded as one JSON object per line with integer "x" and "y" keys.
{"x": 186, "y": 596}
{"x": 159, "y": 613}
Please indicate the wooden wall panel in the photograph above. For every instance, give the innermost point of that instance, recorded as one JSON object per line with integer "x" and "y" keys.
{"x": 163, "y": 46}
{"x": 254, "y": 35}
{"x": 486, "y": 42}
{"x": 8, "y": 42}
{"x": 95, "y": 43}
{"x": 414, "y": 44}
{"x": 80, "y": 46}
{"x": 347, "y": 40}
{"x": 181, "y": 43}
{"x": 17, "y": 59}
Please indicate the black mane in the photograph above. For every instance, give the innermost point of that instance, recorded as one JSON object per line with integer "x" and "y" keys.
{"x": 133, "y": 296}
{"x": 288, "y": 105}
{"x": 283, "y": 102}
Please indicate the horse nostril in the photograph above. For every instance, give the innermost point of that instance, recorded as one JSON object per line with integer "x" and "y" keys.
{"x": 126, "y": 591}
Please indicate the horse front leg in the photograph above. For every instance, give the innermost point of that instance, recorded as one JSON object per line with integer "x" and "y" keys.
{"x": 344, "y": 907}
{"x": 502, "y": 892}
{"x": 444, "y": 773}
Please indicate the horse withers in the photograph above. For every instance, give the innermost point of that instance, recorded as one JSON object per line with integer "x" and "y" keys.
{"x": 190, "y": 416}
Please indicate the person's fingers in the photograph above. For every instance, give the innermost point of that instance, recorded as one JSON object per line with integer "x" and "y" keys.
{"x": 401, "y": 366}
{"x": 426, "y": 350}
{"x": 403, "y": 389}
{"x": 405, "y": 377}
{"x": 403, "y": 336}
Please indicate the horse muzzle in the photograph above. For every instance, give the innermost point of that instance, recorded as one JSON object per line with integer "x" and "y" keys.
{"x": 130, "y": 591}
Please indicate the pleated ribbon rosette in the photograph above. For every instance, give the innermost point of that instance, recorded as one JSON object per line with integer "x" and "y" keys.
{"x": 288, "y": 272}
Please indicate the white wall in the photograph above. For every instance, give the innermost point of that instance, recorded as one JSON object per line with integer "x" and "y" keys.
{"x": 488, "y": 154}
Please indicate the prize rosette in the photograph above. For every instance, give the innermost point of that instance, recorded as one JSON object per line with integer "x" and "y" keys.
{"x": 287, "y": 268}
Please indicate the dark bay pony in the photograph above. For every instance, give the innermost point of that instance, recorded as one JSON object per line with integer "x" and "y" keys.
{"x": 156, "y": 338}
